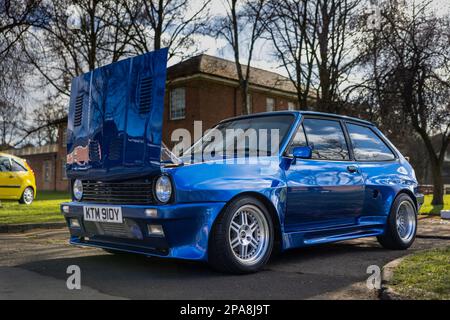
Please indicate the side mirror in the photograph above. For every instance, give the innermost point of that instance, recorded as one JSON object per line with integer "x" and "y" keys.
{"x": 302, "y": 153}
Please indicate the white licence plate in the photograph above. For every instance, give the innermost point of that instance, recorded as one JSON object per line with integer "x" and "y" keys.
{"x": 103, "y": 214}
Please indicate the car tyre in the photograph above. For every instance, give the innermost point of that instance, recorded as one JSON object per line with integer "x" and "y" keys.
{"x": 401, "y": 227}
{"x": 242, "y": 238}
{"x": 27, "y": 196}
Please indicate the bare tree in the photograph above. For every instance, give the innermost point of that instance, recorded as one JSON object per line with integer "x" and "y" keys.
{"x": 291, "y": 31}
{"x": 60, "y": 52}
{"x": 10, "y": 116}
{"x": 242, "y": 18}
{"x": 314, "y": 42}
{"x": 15, "y": 18}
{"x": 408, "y": 82}
{"x": 334, "y": 57}
{"x": 46, "y": 117}
{"x": 166, "y": 23}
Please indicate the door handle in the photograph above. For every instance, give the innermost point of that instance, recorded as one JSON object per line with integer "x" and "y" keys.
{"x": 352, "y": 169}
{"x": 11, "y": 177}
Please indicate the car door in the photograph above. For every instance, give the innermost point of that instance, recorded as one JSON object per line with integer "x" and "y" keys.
{"x": 9, "y": 181}
{"x": 379, "y": 165}
{"x": 327, "y": 190}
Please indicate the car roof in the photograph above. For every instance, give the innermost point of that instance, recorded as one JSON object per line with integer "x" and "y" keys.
{"x": 296, "y": 113}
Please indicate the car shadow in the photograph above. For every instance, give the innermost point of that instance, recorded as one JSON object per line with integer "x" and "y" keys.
{"x": 295, "y": 274}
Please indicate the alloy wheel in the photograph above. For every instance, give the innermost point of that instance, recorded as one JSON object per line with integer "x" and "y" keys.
{"x": 28, "y": 196}
{"x": 406, "y": 221}
{"x": 249, "y": 235}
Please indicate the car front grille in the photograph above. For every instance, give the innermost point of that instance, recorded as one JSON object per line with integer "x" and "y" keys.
{"x": 126, "y": 230}
{"x": 134, "y": 193}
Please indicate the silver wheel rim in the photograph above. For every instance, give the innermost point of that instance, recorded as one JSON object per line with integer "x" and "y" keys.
{"x": 249, "y": 235}
{"x": 406, "y": 221}
{"x": 28, "y": 196}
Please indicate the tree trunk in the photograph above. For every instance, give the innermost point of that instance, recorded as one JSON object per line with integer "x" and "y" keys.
{"x": 244, "y": 102}
{"x": 159, "y": 26}
{"x": 436, "y": 166}
{"x": 438, "y": 184}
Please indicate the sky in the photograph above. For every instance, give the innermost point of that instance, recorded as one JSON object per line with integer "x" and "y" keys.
{"x": 263, "y": 54}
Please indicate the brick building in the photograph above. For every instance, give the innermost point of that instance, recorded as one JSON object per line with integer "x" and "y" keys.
{"x": 202, "y": 88}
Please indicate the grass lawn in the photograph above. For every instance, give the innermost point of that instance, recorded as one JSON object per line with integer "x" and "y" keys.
{"x": 45, "y": 208}
{"x": 424, "y": 275}
{"x": 427, "y": 208}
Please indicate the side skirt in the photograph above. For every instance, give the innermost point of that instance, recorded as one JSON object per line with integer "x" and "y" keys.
{"x": 313, "y": 237}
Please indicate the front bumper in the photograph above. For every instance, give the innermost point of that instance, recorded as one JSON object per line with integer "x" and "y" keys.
{"x": 186, "y": 229}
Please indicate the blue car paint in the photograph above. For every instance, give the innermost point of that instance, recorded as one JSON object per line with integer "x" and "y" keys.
{"x": 121, "y": 141}
{"x": 312, "y": 201}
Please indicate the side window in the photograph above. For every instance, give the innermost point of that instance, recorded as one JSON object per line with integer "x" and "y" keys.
{"x": 326, "y": 139}
{"x": 298, "y": 141}
{"x": 5, "y": 164}
{"x": 17, "y": 167}
{"x": 367, "y": 146}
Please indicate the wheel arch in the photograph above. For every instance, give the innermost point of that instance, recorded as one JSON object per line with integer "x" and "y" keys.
{"x": 269, "y": 206}
{"x": 410, "y": 194}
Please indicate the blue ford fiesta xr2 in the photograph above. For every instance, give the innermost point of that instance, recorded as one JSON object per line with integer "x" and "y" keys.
{"x": 325, "y": 178}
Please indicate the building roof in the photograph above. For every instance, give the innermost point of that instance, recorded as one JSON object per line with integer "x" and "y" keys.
{"x": 30, "y": 151}
{"x": 209, "y": 65}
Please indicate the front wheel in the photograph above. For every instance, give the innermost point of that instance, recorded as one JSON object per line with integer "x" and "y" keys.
{"x": 27, "y": 196}
{"x": 401, "y": 228}
{"x": 242, "y": 238}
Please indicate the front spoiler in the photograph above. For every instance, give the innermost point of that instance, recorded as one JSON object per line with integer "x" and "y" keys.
{"x": 186, "y": 230}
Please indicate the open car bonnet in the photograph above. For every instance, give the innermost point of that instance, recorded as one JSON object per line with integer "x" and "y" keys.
{"x": 115, "y": 119}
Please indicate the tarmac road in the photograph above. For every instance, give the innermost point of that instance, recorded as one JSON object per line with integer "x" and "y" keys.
{"x": 33, "y": 266}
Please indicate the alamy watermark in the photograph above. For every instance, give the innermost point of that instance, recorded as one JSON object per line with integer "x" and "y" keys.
{"x": 73, "y": 282}
{"x": 375, "y": 278}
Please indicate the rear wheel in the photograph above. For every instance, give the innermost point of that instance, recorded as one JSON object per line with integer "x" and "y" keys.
{"x": 402, "y": 225}
{"x": 27, "y": 196}
{"x": 242, "y": 238}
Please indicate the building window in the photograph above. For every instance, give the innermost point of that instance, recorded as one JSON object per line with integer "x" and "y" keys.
{"x": 291, "y": 106}
{"x": 270, "y": 104}
{"x": 47, "y": 171}
{"x": 63, "y": 170}
{"x": 177, "y": 104}
{"x": 249, "y": 103}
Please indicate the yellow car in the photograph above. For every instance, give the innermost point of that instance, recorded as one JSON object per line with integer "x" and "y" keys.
{"x": 17, "y": 180}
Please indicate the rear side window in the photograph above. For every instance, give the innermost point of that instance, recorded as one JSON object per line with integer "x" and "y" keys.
{"x": 367, "y": 146}
{"x": 326, "y": 139}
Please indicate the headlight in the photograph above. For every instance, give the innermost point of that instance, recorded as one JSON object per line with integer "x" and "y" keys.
{"x": 78, "y": 190}
{"x": 163, "y": 189}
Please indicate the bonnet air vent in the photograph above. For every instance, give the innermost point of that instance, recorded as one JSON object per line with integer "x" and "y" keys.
{"x": 78, "y": 111}
{"x": 145, "y": 99}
